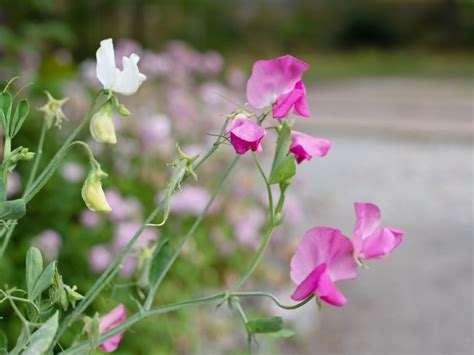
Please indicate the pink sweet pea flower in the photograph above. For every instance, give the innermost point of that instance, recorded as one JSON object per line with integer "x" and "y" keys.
{"x": 110, "y": 320}
{"x": 370, "y": 241}
{"x": 245, "y": 135}
{"x": 323, "y": 257}
{"x": 304, "y": 146}
{"x": 277, "y": 82}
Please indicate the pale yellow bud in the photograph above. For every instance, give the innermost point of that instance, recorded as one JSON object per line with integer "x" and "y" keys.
{"x": 102, "y": 126}
{"x": 92, "y": 192}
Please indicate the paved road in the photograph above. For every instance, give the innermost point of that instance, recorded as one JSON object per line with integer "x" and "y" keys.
{"x": 407, "y": 146}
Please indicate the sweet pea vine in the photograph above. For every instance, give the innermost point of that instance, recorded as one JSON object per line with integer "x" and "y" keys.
{"x": 47, "y": 307}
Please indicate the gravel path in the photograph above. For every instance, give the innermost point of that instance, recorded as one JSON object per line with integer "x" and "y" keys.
{"x": 407, "y": 146}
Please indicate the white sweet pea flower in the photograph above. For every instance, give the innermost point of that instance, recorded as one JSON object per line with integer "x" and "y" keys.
{"x": 126, "y": 81}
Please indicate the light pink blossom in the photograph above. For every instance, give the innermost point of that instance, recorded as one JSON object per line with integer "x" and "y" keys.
{"x": 89, "y": 219}
{"x": 13, "y": 184}
{"x": 49, "y": 242}
{"x": 304, "y": 146}
{"x": 245, "y": 135}
{"x": 122, "y": 208}
{"x": 124, "y": 231}
{"x": 370, "y": 241}
{"x": 72, "y": 171}
{"x": 323, "y": 257}
{"x": 100, "y": 257}
{"x": 190, "y": 200}
{"x": 115, "y": 317}
{"x": 277, "y": 83}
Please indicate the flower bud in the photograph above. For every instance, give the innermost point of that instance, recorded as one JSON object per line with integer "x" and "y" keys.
{"x": 102, "y": 126}
{"x": 92, "y": 192}
{"x": 53, "y": 111}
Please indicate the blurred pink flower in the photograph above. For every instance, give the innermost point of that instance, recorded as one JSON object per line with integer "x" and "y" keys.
{"x": 72, "y": 172}
{"x": 89, "y": 219}
{"x": 304, "y": 146}
{"x": 154, "y": 130}
{"x": 49, "y": 242}
{"x": 124, "y": 231}
{"x": 122, "y": 208}
{"x": 323, "y": 257}
{"x": 154, "y": 64}
{"x": 212, "y": 63}
{"x": 190, "y": 200}
{"x": 115, "y": 317}
{"x": 13, "y": 184}
{"x": 370, "y": 241}
{"x": 277, "y": 82}
{"x": 245, "y": 135}
{"x": 100, "y": 257}
{"x": 236, "y": 78}
{"x": 124, "y": 47}
{"x": 128, "y": 266}
{"x": 247, "y": 227}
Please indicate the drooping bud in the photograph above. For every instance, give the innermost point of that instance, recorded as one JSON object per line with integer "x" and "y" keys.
{"x": 92, "y": 192}
{"x": 102, "y": 127}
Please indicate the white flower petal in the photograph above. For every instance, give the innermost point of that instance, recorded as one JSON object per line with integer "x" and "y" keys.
{"x": 129, "y": 80}
{"x": 106, "y": 70}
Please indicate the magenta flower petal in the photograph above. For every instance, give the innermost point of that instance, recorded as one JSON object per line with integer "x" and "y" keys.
{"x": 272, "y": 78}
{"x": 286, "y": 102}
{"x": 328, "y": 291}
{"x": 381, "y": 243}
{"x": 245, "y": 135}
{"x": 301, "y": 106}
{"x": 110, "y": 320}
{"x": 309, "y": 284}
{"x": 367, "y": 221}
{"x": 304, "y": 146}
{"x": 324, "y": 245}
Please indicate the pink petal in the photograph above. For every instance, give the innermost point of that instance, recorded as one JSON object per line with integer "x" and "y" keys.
{"x": 304, "y": 146}
{"x": 286, "y": 102}
{"x": 245, "y": 135}
{"x": 112, "y": 344}
{"x": 272, "y": 78}
{"x": 309, "y": 284}
{"x": 301, "y": 106}
{"x": 367, "y": 221}
{"x": 111, "y": 319}
{"x": 381, "y": 243}
{"x": 328, "y": 291}
{"x": 324, "y": 245}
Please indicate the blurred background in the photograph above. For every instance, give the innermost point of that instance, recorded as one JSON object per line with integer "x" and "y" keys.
{"x": 390, "y": 84}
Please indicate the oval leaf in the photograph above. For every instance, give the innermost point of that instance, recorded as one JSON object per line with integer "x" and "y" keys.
{"x": 34, "y": 268}
{"x": 6, "y": 101}
{"x": 265, "y": 325}
{"x": 42, "y": 339}
{"x": 14, "y": 209}
{"x": 44, "y": 281}
{"x": 22, "y": 110}
{"x": 160, "y": 259}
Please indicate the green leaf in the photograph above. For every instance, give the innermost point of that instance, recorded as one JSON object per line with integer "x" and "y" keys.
{"x": 14, "y": 209}
{"x": 34, "y": 267}
{"x": 284, "y": 164}
{"x": 3, "y": 191}
{"x": 265, "y": 325}
{"x": 6, "y": 102}
{"x": 160, "y": 259}
{"x": 44, "y": 281}
{"x": 21, "y": 112}
{"x": 42, "y": 339}
{"x": 284, "y": 171}
{"x": 284, "y": 333}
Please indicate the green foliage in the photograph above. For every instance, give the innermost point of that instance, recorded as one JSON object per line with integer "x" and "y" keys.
{"x": 42, "y": 338}
{"x": 12, "y": 210}
{"x": 265, "y": 325}
{"x": 284, "y": 163}
{"x": 160, "y": 259}
{"x": 44, "y": 281}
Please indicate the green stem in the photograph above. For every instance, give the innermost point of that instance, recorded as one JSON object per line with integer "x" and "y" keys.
{"x": 58, "y": 157}
{"x": 188, "y": 235}
{"x": 256, "y": 259}
{"x": 39, "y": 153}
{"x": 80, "y": 348}
{"x": 273, "y": 298}
{"x": 109, "y": 273}
{"x": 243, "y": 317}
{"x": 271, "y": 212}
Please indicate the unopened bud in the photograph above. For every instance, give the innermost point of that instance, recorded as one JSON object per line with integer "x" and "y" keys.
{"x": 92, "y": 192}
{"x": 102, "y": 127}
